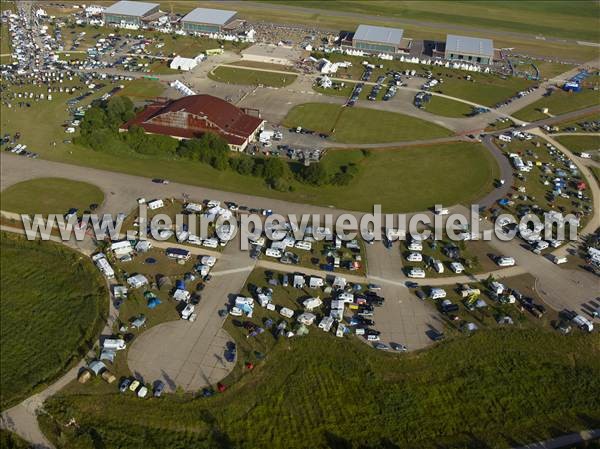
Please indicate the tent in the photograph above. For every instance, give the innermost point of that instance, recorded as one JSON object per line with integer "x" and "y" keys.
{"x": 140, "y": 320}
{"x": 153, "y": 302}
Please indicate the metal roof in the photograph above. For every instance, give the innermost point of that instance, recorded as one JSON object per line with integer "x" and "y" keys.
{"x": 130, "y": 8}
{"x": 469, "y": 45}
{"x": 378, "y": 34}
{"x": 207, "y": 15}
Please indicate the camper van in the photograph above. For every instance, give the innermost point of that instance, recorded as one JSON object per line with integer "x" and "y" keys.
{"x": 301, "y": 244}
{"x": 210, "y": 243}
{"x": 505, "y": 138}
{"x": 417, "y": 273}
{"x": 558, "y": 260}
{"x": 415, "y": 257}
{"x": 114, "y": 343}
{"x": 288, "y": 313}
{"x": 273, "y": 253}
{"x": 415, "y": 246}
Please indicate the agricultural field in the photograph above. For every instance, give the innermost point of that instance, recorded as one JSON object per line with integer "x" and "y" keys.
{"x": 297, "y": 383}
{"x": 231, "y": 75}
{"x": 561, "y": 102}
{"x": 50, "y": 196}
{"x": 53, "y": 305}
{"x": 362, "y": 125}
{"x": 447, "y": 108}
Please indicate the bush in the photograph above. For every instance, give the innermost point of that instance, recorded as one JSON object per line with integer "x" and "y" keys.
{"x": 314, "y": 174}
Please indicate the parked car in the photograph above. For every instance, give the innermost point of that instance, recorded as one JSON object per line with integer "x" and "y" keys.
{"x": 159, "y": 386}
{"x": 124, "y": 385}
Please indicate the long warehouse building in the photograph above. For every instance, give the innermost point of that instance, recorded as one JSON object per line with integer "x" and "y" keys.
{"x": 469, "y": 49}
{"x": 374, "y": 39}
{"x": 205, "y": 20}
{"x": 129, "y": 13}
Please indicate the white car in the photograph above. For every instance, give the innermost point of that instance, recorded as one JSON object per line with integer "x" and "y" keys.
{"x": 457, "y": 267}
{"x": 416, "y": 273}
{"x": 415, "y": 257}
{"x": 505, "y": 261}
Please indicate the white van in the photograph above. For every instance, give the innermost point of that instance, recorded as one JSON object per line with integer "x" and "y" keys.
{"x": 585, "y": 155}
{"x": 542, "y": 245}
{"x": 505, "y": 261}
{"x": 288, "y": 313}
{"x": 457, "y": 267}
{"x": 114, "y": 343}
{"x": 505, "y": 138}
{"x": 418, "y": 273}
{"x": 437, "y": 293}
{"x": 346, "y": 297}
{"x": 273, "y": 253}
{"x": 558, "y": 260}
{"x": 415, "y": 257}
{"x": 210, "y": 243}
{"x": 301, "y": 244}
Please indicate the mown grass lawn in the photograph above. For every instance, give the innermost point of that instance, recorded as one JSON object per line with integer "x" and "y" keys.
{"x": 49, "y": 196}
{"x": 580, "y": 143}
{"x": 52, "y": 309}
{"x": 142, "y": 88}
{"x": 447, "y": 108}
{"x": 500, "y": 388}
{"x": 362, "y": 125}
{"x": 561, "y": 102}
{"x": 232, "y": 75}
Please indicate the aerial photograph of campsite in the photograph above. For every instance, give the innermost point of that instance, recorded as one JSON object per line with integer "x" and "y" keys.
{"x": 299, "y": 224}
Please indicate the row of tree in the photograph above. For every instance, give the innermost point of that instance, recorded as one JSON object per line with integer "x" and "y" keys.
{"x": 100, "y": 131}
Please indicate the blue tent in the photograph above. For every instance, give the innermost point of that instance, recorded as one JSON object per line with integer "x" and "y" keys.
{"x": 153, "y": 302}
{"x": 179, "y": 284}
{"x": 503, "y": 202}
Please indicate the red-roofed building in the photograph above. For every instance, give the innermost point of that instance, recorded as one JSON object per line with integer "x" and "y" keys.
{"x": 192, "y": 116}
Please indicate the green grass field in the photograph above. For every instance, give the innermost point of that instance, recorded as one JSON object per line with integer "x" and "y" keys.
{"x": 49, "y": 196}
{"x": 142, "y": 88}
{"x": 560, "y": 102}
{"x": 52, "y": 309}
{"x": 499, "y": 389}
{"x": 362, "y": 125}
{"x": 4, "y": 40}
{"x": 580, "y": 143}
{"x": 447, "y": 108}
{"x": 231, "y": 75}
